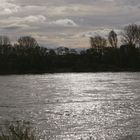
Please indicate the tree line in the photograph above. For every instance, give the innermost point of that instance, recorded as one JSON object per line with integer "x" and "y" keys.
{"x": 130, "y": 36}
{"x": 27, "y": 56}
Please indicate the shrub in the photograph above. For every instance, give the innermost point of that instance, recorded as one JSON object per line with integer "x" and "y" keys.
{"x": 20, "y": 130}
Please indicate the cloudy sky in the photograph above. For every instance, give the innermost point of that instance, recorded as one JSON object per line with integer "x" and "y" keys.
{"x": 65, "y": 22}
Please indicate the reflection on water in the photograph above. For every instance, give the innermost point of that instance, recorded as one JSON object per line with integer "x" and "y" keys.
{"x": 71, "y": 106}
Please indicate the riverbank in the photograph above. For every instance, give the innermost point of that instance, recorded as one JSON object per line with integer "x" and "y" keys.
{"x": 117, "y": 70}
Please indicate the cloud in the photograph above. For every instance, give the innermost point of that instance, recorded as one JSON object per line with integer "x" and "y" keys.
{"x": 7, "y": 7}
{"x": 24, "y": 20}
{"x": 98, "y": 32}
{"x": 129, "y": 2}
{"x": 77, "y": 20}
{"x": 38, "y": 18}
{"x": 64, "y": 22}
{"x": 15, "y": 27}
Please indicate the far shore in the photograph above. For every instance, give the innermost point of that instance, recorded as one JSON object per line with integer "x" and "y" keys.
{"x": 59, "y": 71}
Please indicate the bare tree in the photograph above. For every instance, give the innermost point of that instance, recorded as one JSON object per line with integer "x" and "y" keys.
{"x": 27, "y": 41}
{"x": 98, "y": 42}
{"x": 112, "y": 38}
{"x": 4, "y": 40}
{"x": 131, "y": 34}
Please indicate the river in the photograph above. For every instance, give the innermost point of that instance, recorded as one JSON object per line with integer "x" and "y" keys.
{"x": 104, "y": 106}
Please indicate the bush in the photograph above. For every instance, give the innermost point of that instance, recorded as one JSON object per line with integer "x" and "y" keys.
{"x": 20, "y": 130}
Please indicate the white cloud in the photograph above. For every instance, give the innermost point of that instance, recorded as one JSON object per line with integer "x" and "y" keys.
{"x": 6, "y": 7}
{"x": 38, "y": 18}
{"x": 64, "y": 22}
{"x": 24, "y": 20}
{"x": 15, "y": 27}
{"x": 101, "y": 32}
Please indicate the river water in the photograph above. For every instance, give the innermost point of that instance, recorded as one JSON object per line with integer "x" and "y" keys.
{"x": 104, "y": 106}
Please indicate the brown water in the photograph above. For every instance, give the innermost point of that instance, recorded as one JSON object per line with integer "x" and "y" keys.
{"x": 105, "y": 106}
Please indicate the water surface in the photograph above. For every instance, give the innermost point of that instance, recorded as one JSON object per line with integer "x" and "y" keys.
{"x": 71, "y": 106}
